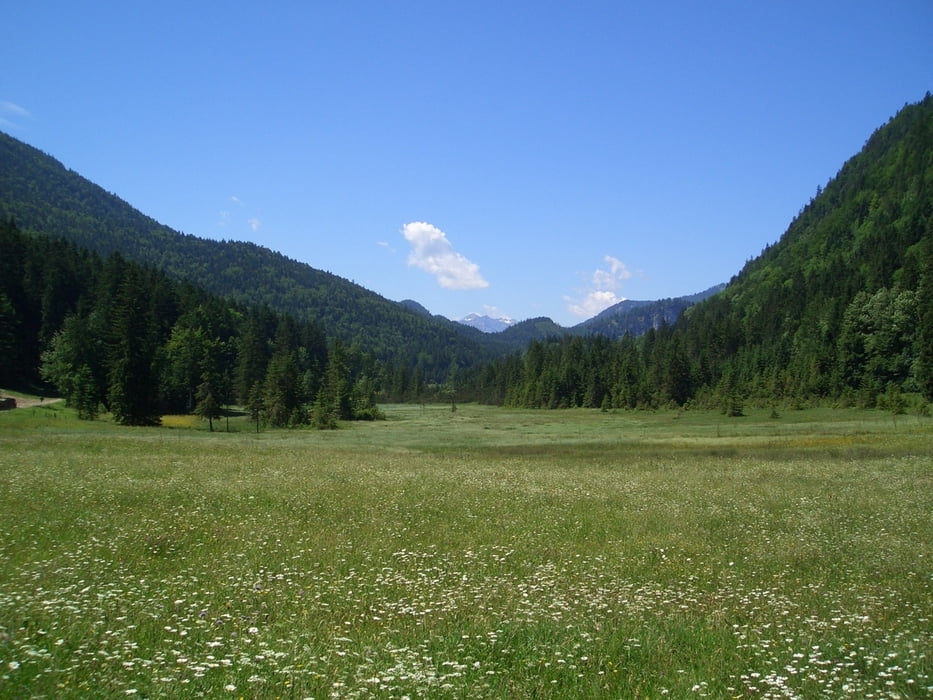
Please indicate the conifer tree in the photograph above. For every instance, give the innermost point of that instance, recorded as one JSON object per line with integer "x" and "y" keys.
{"x": 281, "y": 398}
{"x": 131, "y": 378}
{"x": 334, "y": 401}
{"x": 253, "y": 351}
{"x": 8, "y": 341}
{"x": 924, "y": 370}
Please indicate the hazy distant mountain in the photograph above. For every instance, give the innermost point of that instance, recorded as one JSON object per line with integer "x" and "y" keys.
{"x": 487, "y": 324}
{"x": 636, "y": 317}
{"x": 633, "y": 317}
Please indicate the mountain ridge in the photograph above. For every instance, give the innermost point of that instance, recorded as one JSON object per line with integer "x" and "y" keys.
{"x": 45, "y": 196}
{"x": 635, "y": 317}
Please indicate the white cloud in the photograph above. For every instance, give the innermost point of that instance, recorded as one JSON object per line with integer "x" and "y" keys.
{"x": 254, "y": 223}
{"x": 13, "y": 109}
{"x": 611, "y": 279}
{"x": 432, "y": 252}
{"x": 592, "y": 303}
{"x": 601, "y": 293}
{"x": 236, "y": 200}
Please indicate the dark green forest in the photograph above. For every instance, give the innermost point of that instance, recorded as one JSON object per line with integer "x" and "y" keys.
{"x": 132, "y": 318}
{"x": 108, "y": 333}
{"x": 839, "y": 309}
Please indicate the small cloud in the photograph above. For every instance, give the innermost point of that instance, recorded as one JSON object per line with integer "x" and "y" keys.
{"x": 13, "y": 111}
{"x": 432, "y": 252}
{"x": 601, "y": 293}
{"x": 254, "y": 223}
{"x": 224, "y": 218}
{"x": 386, "y": 245}
{"x": 592, "y": 303}
{"x": 612, "y": 278}
{"x": 236, "y": 200}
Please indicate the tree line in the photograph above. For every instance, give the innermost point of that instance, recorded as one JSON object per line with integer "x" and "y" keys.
{"x": 113, "y": 335}
{"x": 883, "y": 352}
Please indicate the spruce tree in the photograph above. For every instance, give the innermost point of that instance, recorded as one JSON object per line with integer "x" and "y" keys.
{"x": 134, "y": 342}
{"x": 924, "y": 371}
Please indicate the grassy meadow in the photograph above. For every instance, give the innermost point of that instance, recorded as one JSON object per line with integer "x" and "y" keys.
{"x": 476, "y": 553}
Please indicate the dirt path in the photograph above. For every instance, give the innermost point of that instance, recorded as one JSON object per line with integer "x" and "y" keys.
{"x": 28, "y": 401}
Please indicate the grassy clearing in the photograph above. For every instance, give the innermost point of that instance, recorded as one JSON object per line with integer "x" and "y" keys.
{"x": 476, "y": 553}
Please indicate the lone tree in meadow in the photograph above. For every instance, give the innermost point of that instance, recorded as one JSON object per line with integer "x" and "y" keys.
{"x": 207, "y": 406}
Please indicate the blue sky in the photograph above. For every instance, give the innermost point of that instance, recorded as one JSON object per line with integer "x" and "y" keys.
{"x": 517, "y": 158}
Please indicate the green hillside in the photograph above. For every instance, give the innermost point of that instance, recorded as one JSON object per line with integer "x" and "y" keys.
{"x": 46, "y": 198}
{"x": 841, "y": 305}
{"x": 839, "y": 309}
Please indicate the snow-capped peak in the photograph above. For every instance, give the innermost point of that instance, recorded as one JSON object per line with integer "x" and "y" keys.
{"x": 485, "y": 323}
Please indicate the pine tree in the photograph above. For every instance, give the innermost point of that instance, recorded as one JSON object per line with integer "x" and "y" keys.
{"x": 924, "y": 371}
{"x": 8, "y": 341}
{"x": 253, "y": 351}
{"x": 281, "y": 398}
{"x": 131, "y": 378}
{"x": 334, "y": 401}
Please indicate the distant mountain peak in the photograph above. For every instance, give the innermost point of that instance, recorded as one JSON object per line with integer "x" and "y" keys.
{"x": 487, "y": 324}
{"x": 414, "y": 306}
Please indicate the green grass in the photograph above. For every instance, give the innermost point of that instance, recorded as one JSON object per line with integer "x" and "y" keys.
{"x": 477, "y": 553}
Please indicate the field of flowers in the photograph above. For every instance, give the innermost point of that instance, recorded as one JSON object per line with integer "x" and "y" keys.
{"x": 481, "y": 553}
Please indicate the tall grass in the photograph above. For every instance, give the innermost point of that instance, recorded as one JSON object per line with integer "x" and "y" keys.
{"x": 476, "y": 553}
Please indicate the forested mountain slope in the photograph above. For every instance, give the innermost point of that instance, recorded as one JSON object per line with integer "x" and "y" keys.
{"x": 46, "y": 198}
{"x": 842, "y": 303}
{"x": 840, "y": 308}
{"x": 111, "y": 333}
